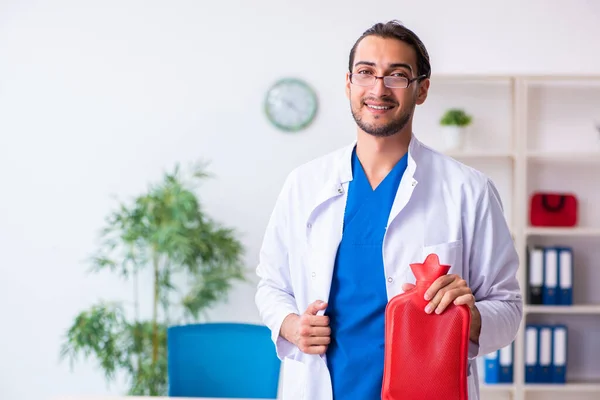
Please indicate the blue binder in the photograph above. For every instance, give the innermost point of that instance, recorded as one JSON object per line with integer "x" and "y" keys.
{"x": 550, "y": 289}
{"x": 559, "y": 354}
{"x": 565, "y": 276}
{"x": 492, "y": 369}
{"x": 532, "y": 350}
{"x": 545, "y": 370}
{"x": 505, "y": 361}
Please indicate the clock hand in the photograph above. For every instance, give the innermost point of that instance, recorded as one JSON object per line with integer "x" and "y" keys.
{"x": 290, "y": 104}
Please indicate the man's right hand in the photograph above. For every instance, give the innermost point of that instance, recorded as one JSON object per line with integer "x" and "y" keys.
{"x": 309, "y": 332}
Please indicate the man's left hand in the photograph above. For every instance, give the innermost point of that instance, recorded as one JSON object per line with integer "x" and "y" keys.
{"x": 448, "y": 289}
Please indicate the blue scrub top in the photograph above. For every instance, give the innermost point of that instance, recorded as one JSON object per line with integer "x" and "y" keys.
{"x": 358, "y": 295}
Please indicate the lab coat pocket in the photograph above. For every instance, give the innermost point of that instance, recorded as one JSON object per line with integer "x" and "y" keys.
{"x": 294, "y": 379}
{"x": 449, "y": 253}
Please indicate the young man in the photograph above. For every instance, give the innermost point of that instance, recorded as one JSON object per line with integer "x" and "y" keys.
{"x": 347, "y": 225}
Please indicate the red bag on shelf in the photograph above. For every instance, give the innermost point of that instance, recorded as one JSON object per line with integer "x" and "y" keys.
{"x": 426, "y": 355}
{"x": 553, "y": 209}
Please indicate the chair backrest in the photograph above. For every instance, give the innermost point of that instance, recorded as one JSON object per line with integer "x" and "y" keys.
{"x": 219, "y": 360}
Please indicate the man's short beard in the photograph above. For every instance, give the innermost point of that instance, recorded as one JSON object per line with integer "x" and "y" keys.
{"x": 386, "y": 130}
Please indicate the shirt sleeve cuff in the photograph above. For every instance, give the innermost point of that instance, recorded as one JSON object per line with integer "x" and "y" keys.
{"x": 283, "y": 347}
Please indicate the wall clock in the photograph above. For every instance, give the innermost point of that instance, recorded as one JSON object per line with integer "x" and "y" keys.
{"x": 291, "y": 104}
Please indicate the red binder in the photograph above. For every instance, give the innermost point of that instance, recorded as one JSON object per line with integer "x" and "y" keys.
{"x": 426, "y": 355}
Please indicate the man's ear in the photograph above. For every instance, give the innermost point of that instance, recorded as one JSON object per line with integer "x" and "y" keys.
{"x": 423, "y": 90}
{"x": 348, "y": 85}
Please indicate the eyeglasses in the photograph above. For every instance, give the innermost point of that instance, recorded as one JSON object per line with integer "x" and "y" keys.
{"x": 392, "y": 82}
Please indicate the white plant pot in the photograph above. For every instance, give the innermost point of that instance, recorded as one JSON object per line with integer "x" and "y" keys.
{"x": 453, "y": 136}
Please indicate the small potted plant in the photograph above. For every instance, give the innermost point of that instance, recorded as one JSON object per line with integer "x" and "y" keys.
{"x": 453, "y": 122}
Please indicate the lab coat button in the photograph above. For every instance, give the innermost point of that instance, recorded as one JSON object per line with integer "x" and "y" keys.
{"x": 414, "y": 183}
{"x": 340, "y": 190}
{"x": 314, "y": 274}
{"x": 390, "y": 279}
{"x": 309, "y": 225}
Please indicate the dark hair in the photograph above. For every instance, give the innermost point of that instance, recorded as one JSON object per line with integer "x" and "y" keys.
{"x": 395, "y": 30}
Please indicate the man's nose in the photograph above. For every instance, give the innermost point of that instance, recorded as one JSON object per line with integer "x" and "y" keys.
{"x": 379, "y": 88}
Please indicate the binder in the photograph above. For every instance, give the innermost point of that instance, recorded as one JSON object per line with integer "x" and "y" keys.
{"x": 544, "y": 374}
{"x": 549, "y": 292}
{"x": 559, "y": 354}
{"x": 565, "y": 276}
{"x": 531, "y": 353}
{"x": 506, "y": 364}
{"x": 492, "y": 369}
{"x": 536, "y": 275}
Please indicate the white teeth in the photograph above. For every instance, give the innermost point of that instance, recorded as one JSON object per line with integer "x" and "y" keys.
{"x": 379, "y": 107}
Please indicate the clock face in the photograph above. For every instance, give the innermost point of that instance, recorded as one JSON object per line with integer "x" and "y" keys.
{"x": 291, "y": 104}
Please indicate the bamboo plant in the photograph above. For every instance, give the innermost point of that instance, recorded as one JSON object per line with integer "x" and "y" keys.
{"x": 193, "y": 262}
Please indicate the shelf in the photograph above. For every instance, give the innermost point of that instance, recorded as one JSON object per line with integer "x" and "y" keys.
{"x": 565, "y": 157}
{"x": 575, "y": 81}
{"x": 562, "y": 231}
{"x": 496, "y": 388}
{"x": 568, "y": 387}
{"x": 479, "y": 154}
{"x": 574, "y": 309}
{"x": 472, "y": 79}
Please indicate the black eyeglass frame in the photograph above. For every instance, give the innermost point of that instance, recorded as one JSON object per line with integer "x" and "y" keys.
{"x": 408, "y": 80}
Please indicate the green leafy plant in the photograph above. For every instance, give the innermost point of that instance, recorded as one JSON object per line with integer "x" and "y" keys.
{"x": 192, "y": 261}
{"x": 455, "y": 117}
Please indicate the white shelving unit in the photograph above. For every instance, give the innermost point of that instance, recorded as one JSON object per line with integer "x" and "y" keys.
{"x": 537, "y": 133}
{"x": 481, "y": 154}
{"x": 566, "y": 157}
{"x": 565, "y": 232}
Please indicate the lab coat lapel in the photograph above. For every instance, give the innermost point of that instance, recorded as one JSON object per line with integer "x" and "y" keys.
{"x": 408, "y": 182}
{"x": 325, "y": 227}
{"x": 324, "y": 241}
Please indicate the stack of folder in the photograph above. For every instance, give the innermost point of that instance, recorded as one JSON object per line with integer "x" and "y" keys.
{"x": 550, "y": 276}
{"x": 498, "y": 366}
{"x": 545, "y": 353}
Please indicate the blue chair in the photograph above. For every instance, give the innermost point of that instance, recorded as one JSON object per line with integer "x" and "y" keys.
{"x": 219, "y": 360}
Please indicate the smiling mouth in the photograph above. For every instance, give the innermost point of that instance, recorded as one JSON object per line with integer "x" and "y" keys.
{"x": 379, "y": 107}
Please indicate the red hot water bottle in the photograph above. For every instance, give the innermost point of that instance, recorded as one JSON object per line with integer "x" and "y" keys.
{"x": 426, "y": 355}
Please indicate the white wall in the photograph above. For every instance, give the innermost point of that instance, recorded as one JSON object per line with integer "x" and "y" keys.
{"x": 98, "y": 98}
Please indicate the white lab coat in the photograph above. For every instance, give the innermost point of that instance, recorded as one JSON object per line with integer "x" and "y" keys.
{"x": 441, "y": 206}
